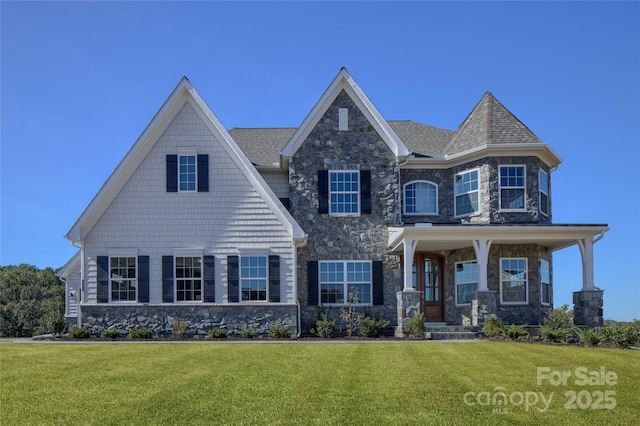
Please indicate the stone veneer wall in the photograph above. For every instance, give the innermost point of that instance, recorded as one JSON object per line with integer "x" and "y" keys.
{"x": 534, "y": 312}
{"x": 199, "y": 318}
{"x": 362, "y": 237}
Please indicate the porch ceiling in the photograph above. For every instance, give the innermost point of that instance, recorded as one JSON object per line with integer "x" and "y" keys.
{"x": 435, "y": 237}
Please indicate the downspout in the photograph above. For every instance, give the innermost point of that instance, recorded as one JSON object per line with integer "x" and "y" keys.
{"x": 295, "y": 289}
{"x": 81, "y": 291}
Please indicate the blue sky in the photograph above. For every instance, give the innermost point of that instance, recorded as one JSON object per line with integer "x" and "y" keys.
{"x": 81, "y": 80}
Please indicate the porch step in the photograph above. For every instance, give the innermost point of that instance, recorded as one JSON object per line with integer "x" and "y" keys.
{"x": 451, "y": 332}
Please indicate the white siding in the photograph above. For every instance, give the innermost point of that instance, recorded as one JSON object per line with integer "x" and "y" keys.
{"x": 72, "y": 293}
{"x": 229, "y": 218}
{"x": 278, "y": 181}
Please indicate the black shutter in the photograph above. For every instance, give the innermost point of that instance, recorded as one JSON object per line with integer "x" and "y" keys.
{"x": 203, "y": 172}
{"x": 103, "y": 279}
{"x": 312, "y": 282}
{"x": 167, "y": 279}
{"x": 378, "y": 282}
{"x": 323, "y": 191}
{"x": 172, "y": 173}
{"x": 233, "y": 279}
{"x": 274, "y": 278}
{"x": 209, "y": 279}
{"x": 143, "y": 279}
{"x": 365, "y": 191}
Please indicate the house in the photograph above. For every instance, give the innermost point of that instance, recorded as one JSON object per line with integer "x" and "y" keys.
{"x": 249, "y": 228}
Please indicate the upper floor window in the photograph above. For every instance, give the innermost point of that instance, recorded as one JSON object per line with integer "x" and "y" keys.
{"x": 513, "y": 281}
{"x": 187, "y": 174}
{"x": 344, "y": 192}
{"x": 188, "y": 273}
{"x": 512, "y": 187}
{"x": 545, "y": 282}
{"x": 344, "y": 282}
{"x": 466, "y": 190}
{"x": 187, "y": 171}
{"x": 543, "y": 181}
{"x": 421, "y": 197}
{"x": 122, "y": 279}
{"x": 466, "y": 281}
{"x": 253, "y": 278}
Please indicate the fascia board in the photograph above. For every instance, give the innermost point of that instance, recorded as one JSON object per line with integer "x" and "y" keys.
{"x": 71, "y": 265}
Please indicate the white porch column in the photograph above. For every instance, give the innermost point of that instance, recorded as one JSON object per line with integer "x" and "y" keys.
{"x": 481, "y": 247}
{"x": 409, "y": 246}
{"x": 586, "y": 250}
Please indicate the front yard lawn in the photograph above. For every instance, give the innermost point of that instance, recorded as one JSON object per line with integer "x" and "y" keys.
{"x": 395, "y": 383}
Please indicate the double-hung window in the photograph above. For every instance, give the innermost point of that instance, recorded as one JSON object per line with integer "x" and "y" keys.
{"x": 253, "y": 278}
{"x": 187, "y": 172}
{"x": 466, "y": 281}
{"x": 513, "y": 281}
{"x": 466, "y": 190}
{"x": 344, "y": 192}
{"x": 543, "y": 181}
{"x": 421, "y": 197}
{"x": 122, "y": 279}
{"x": 545, "y": 282}
{"x": 188, "y": 273}
{"x": 512, "y": 187}
{"x": 345, "y": 282}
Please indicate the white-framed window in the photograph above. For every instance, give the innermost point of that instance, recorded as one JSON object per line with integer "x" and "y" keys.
{"x": 466, "y": 191}
{"x": 188, "y": 276}
{"x": 123, "y": 282}
{"x": 466, "y": 281}
{"x": 545, "y": 282}
{"x": 187, "y": 172}
{"x": 344, "y": 192}
{"x": 253, "y": 278}
{"x": 513, "y": 281}
{"x": 512, "y": 187}
{"x": 543, "y": 182}
{"x": 421, "y": 197}
{"x": 342, "y": 281}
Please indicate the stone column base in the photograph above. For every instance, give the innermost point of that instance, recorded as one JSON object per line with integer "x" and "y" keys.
{"x": 587, "y": 308}
{"x": 483, "y": 303}
{"x": 408, "y": 307}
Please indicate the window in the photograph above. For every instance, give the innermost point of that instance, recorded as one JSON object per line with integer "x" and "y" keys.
{"x": 512, "y": 187}
{"x": 543, "y": 181}
{"x": 253, "y": 278}
{"x": 466, "y": 281}
{"x": 344, "y": 192}
{"x": 513, "y": 281}
{"x": 545, "y": 282}
{"x": 466, "y": 193}
{"x": 122, "y": 279}
{"x": 338, "y": 279}
{"x": 188, "y": 279}
{"x": 187, "y": 172}
{"x": 421, "y": 197}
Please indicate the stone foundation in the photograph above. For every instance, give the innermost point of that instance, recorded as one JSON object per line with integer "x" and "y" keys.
{"x": 408, "y": 307}
{"x": 199, "y": 318}
{"x": 587, "y": 308}
{"x": 483, "y": 303}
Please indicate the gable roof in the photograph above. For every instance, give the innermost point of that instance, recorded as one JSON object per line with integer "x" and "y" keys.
{"x": 344, "y": 81}
{"x": 182, "y": 94}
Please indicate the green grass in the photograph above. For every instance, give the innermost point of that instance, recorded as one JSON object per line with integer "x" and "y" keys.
{"x": 301, "y": 383}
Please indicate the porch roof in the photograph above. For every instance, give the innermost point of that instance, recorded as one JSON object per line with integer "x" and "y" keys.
{"x": 433, "y": 237}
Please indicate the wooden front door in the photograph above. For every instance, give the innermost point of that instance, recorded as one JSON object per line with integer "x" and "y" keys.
{"x": 428, "y": 277}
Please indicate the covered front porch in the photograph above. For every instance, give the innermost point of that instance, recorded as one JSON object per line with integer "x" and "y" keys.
{"x": 442, "y": 254}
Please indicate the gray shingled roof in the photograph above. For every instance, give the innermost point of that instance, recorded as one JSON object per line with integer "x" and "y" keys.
{"x": 262, "y": 146}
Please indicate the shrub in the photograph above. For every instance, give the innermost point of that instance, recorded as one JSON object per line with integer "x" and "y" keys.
{"x": 248, "y": 333}
{"x": 279, "y": 332}
{"x": 179, "y": 330}
{"x": 349, "y": 315}
{"x": 79, "y": 333}
{"x": 140, "y": 334}
{"x": 372, "y": 327}
{"x": 556, "y": 335}
{"x": 415, "y": 326}
{"x": 620, "y": 336}
{"x": 560, "y": 318}
{"x": 110, "y": 333}
{"x": 493, "y": 326}
{"x": 514, "y": 331}
{"x": 589, "y": 336}
{"x": 325, "y": 327}
{"x": 218, "y": 333}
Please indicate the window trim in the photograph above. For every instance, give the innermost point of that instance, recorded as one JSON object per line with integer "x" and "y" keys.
{"x": 456, "y": 194}
{"x": 523, "y": 188}
{"x": 456, "y": 283}
{"x": 548, "y": 203}
{"x": 187, "y": 254}
{"x": 122, "y": 255}
{"x": 543, "y": 283}
{"x": 404, "y": 193}
{"x": 357, "y": 193}
{"x": 266, "y": 278}
{"x": 526, "y": 282}
{"x": 345, "y": 283}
